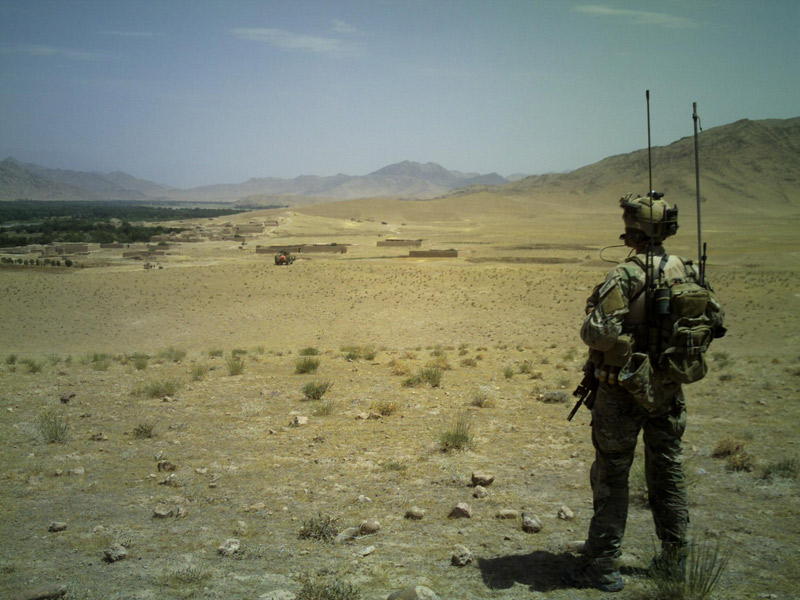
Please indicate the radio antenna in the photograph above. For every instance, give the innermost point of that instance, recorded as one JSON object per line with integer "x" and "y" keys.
{"x": 701, "y": 259}
{"x": 649, "y": 155}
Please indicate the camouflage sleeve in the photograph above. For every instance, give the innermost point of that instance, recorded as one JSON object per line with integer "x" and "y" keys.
{"x": 606, "y": 308}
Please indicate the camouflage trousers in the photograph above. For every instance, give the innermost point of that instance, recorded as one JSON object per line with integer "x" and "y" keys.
{"x": 616, "y": 423}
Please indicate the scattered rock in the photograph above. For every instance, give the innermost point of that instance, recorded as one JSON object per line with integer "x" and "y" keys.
{"x": 366, "y": 551}
{"x": 348, "y": 535}
{"x": 114, "y": 553}
{"x": 76, "y": 471}
{"x": 576, "y": 546}
{"x": 56, "y": 526}
{"x": 49, "y": 592}
{"x": 201, "y": 470}
{"x": 66, "y": 397}
{"x": 98, "y": 437}
{"x": 298, "y": 421}
{"x": 241, "y": 528}
{"x": 565, "y": 514}
{"x": 461, "y": 510}
{"x": 171, "y": 479}
{"x": 480, "y": 492}
{"x": 507, "y": 513}
{"x": 418, "y": 592}
{"x": 481, "y": 478}
{"x": 58, "y": 473}
{"x": 369, "y": 527}
{"x": 163, "y": 512}
{"x": 415, "y": 513}
{"x": 363, "y": 499}
{"x": 531, "y": 523}
{"x": 165, "y": 465}
{"x": 229, "y": 547}
{"x": 461, "y": 556}
{"x": 555, "y": 397}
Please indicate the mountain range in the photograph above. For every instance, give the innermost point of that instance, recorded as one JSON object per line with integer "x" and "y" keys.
{"x": 405, "y": 179}
{"x": 747, "y": 161}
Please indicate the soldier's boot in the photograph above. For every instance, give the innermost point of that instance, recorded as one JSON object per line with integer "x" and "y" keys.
{"x": 670, "y": 563}
{"x": 594, "y": 574}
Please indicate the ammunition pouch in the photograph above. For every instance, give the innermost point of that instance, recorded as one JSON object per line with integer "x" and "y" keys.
{"x": 636, "y": 378}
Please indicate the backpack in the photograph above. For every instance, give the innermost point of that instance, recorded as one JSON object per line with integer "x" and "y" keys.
{"x": 686, "y": 331}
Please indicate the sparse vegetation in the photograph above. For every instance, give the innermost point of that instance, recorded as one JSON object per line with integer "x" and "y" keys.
{"x": 457, "y": 437}
{"x": 216, "y": 353}
{"x": 330, "y": 588}
{"x": 140, "y": 361}
{"x": 385, "y": 407}
{"x": 785, "y": 468}
{"x": 325, "y": 409}
{"x": 52, "y": 427}
{"x": 31, "y": 365}
{"x": 508, "y": 372}
{"x": 198, "y": 371}
{"x": 160, "y": 388}
{"x": 143, "y": 431}
{"x": 306, "y": 365}
{"x": 11, "y": 359}
{"x": 482, "y": 398}
{"x": 316, "y": 390}
{"x": 235, "y": 365}
{"x": 321, "y": 527}
{"x": 704, "y": 567}
{"x": 309, "y": 351}
{"x": 430, "y": 375}
{"x": 172, "y": 354}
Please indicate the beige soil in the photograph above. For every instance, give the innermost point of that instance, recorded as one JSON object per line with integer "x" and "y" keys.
{"x": 504, "y": 314}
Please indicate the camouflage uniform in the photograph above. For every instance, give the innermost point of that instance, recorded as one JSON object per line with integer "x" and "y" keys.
{"x": 615, "y": 308}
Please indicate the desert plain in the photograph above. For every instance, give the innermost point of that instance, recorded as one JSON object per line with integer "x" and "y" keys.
{"x": 170, "y": 477}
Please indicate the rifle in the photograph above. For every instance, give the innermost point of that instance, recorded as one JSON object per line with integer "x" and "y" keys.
{"x": 586, "y": 391}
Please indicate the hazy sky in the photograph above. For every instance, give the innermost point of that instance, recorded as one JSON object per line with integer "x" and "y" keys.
{"x": 191, "y": 92}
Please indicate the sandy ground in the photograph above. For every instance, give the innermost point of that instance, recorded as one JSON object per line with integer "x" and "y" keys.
{"x": 504, "y": 315}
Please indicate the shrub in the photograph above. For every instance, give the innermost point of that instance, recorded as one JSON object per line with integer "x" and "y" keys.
{"x": 215, "y": 352}
{"x": 198, "y": 371}
{"x": 31, "y": 365}
{"x": 385, "y": 407}
{"x": 787, "y": 468}
{"x": 306, "y": 365}
{"x": 52, "y": 427}
{"x": 458, "y": 437}
{"x": 238, "y": 352}
{"x": 316, "y": 390}
{"x": 469, "y": 362}
{"x": 327, "y": 589}
{"x": 325, "y": 409}
{"x": 482, "y": 398}
{"x": 309, "y": 352}
{"x": 100, "y": 362}
{"x": 525, "y": 368}
{"x": 11, "y": 359}
{"x": 159, "y": 389}
{"x": 741, "y": 461}
{"x": 508, "y": 372}
{"x": 322, "y": 527}
{"x": 140, "y": 361}
{"x": 143, "y": 431}
{"x": 704, "y": 567}
{"x": 399, "y": 367}
{"x": 727, "y": 447}
{"x": 172, "y": 354}
{"x": 235, "y": 365}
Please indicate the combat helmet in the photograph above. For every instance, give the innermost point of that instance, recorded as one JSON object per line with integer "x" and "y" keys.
{"x": 648, "y": 218}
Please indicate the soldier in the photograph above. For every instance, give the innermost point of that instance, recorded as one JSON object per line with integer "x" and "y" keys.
{"x": 638, "y": 388}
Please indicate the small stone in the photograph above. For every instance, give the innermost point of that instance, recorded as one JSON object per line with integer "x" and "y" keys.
{"x": 461, "y": 556}
{"x": 65, "y": 398}
{"x": 531, "y": 523}
{"x": 201, "y": 470}
{"x": 369, "y": 527}
{"x": 363, "y": 499}
{"x": 481, "y": 478}
{"x": 163, "y": 512}
{"x": 366, "y": 551}
{"x": 348, "y": 535}
{"x": 180, "y": 513}
{"x": 278, "y": 595}
{"x": 415, "y": 513}
{"x": 114, "y": 553}
{"x": 576, "y": 546}
{"x": 565, "y": 514}
{"x": 229, "y": 547}
{"x": 76, "y": 471}
{"x": 480, "y": 492}
{"x": 298, "y": 421}
{"x": 56, "y": 526}
{"x": 165, "y": 465}
{"x": 461, "y": 510}
{"x": 58, "y": 473}
{"x": 98, "y": 437}
{"x": 507, "y": 513}
{"x": 240, "y": 528}
{"x": 419, "y": 592}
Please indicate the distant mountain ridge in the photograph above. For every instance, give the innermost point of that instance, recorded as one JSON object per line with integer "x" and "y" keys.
{"x": 743, "y": 164}
{"x": 404, "y": 179}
